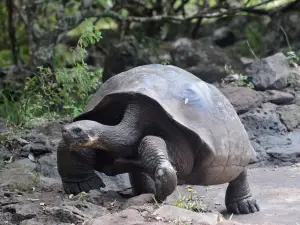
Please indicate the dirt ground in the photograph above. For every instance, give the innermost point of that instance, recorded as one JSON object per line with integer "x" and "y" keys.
{"x": 277, "y": 191}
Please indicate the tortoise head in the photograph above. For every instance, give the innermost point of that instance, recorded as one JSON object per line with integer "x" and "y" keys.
{"x": 83, "y": 133}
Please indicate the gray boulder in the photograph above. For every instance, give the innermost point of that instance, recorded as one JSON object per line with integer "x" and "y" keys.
{"x": 242, "y": 98}
{"x": 290, "y": 116}
{"x": 263, "y": 121}
{"x": 269, "y": 73}
{"x": 285, "y": 148}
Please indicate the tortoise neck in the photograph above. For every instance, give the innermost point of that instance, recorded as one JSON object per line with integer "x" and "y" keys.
{"x": 123, "y": 137}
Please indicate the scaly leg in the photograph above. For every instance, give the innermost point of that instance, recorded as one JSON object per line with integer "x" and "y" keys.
{"x": 154, "y": 157}
{"x": 238, "y": 197}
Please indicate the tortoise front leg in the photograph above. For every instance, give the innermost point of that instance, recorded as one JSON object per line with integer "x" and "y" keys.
{"x": 76, "y": 169}
{"x": 154, "y": 157}
{"x": 151, "y": 172}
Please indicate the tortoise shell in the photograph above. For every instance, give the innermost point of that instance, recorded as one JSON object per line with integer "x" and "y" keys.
{"x": 196, "y": 106}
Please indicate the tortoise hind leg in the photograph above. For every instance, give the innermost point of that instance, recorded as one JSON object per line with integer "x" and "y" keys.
{"x": 238, "y": 199}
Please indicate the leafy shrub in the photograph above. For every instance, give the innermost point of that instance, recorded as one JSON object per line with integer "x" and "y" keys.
{"x": 59, "y": 93}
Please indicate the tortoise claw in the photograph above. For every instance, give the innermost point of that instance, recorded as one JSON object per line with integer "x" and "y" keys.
{"x": 245, "y": 206}
{"x": 76, "y": 187}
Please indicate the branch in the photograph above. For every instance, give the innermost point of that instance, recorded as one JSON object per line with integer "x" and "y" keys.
{"x": 214, "y": 12}
{"x": 12, "y": 31}
{"x": 202, "y": 14}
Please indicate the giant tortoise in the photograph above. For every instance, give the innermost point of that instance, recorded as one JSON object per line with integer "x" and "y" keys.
{"x": 169, "y": 128}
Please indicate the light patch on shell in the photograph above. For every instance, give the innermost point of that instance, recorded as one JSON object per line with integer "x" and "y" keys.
{"x": 160, "y": 172}
{"x": 186, "y": 101}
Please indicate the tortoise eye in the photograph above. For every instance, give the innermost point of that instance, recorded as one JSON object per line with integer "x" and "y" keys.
{"x": 76, "y": 130}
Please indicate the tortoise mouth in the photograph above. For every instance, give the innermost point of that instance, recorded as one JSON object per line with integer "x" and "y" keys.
{"x": 76, "y": 142}
{"x": 79, "y": 142}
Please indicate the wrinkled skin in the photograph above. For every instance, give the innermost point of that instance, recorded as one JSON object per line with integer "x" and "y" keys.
{"x": 76, "y": 168}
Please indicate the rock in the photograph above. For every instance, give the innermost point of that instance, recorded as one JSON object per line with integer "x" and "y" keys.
{"x": 119, "y": 183}
{"x": 138, "y": 200}
{"x": 288, "y": 154}
{"x": 110, "y": 199}
{"x": 51, "y": 130}
{"x": 50, "y": 184}
{"x": 74, "y": 211}
{"x": 278, "y": 97}
{"x": 263, "y": 121}
{"x": 20, "y": 175}
{"x": 124, "y": 56}
{"x": 22, "y": 211}
{"x": 280, "y": 147}
{"x": 5, "y": 154}
{"x": 47, "y": 166}
{"x": 203, "y": 59}
{"x": 269, "y": 73}
{"x": 124, "y": 217}
{"x": 173, "y": 213}
{"x": 297, "y": 98}
{"x": 242, "y": 98}
{"x": 287, "y": 151}
{"x": 271, "y": 141}
{"x": 68, "y": 214}
{"x": 261, "y": 154}
{"x": 37, "y": 149}
{"x": 40, "y": 140}
{"x": 290, "y": 116}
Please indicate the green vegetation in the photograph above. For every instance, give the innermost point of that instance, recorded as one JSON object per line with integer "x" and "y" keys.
{"x": 294, "y": 58}
{"x": 63, "y": 92}
{"x": 192, "y": 202}
{"x": 82, "y": 195}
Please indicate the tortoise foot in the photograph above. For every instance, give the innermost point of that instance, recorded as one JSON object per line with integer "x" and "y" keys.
{"x": 238, "y": 199}
{"x": 245, "y": 206}
{"x": 75, "y": 187}
{"x": 165, "y": 182}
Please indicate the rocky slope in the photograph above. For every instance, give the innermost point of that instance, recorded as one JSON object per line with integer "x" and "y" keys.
{"x": 30, "y": 187}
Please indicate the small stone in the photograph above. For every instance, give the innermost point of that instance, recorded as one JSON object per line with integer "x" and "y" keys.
{"x": 278, "y": 97}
